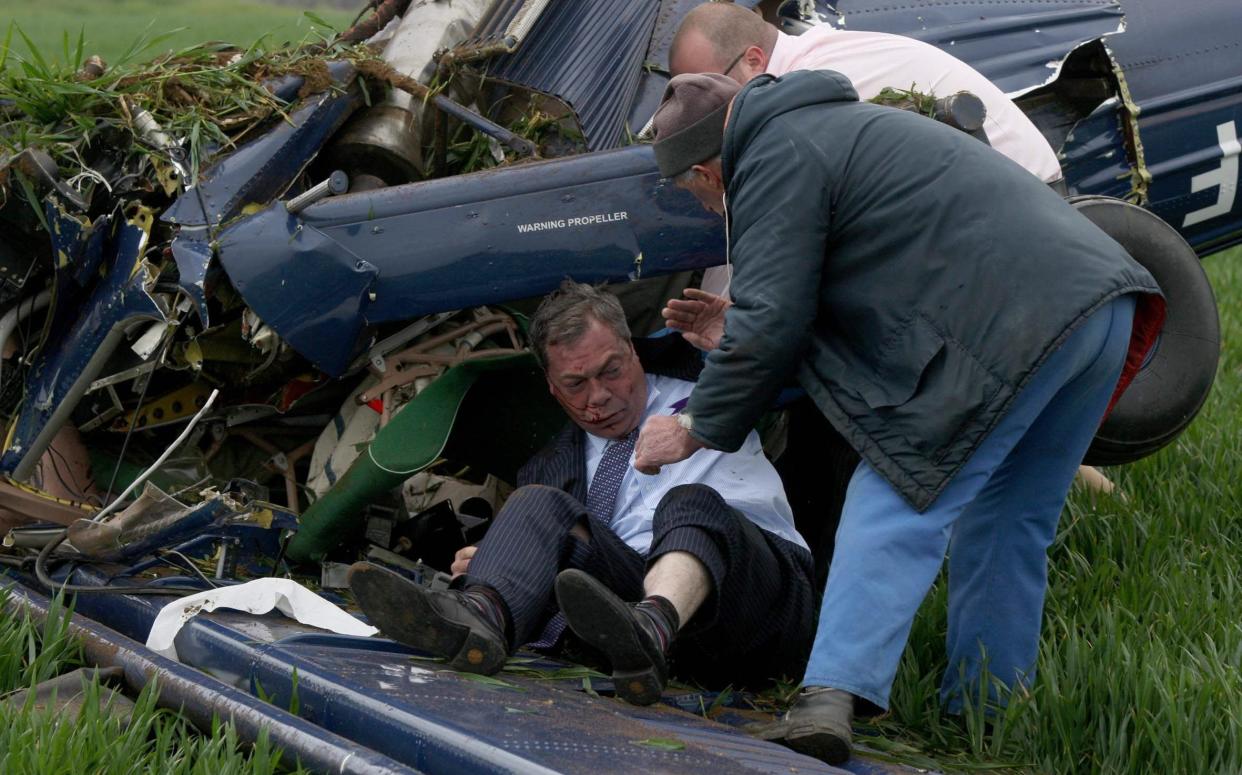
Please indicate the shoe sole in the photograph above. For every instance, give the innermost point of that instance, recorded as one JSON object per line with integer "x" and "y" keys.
{"x": 596, "y": 616}
{"x": 403, "y": 611}
{"x": 825, "y": 746}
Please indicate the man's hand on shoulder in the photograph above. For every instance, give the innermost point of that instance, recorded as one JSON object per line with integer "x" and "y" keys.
{"x": 662, "y": 441}
{"x": 700, "y": 317}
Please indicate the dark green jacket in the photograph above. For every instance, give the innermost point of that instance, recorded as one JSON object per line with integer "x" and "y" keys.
{"x": 912, "y": 278}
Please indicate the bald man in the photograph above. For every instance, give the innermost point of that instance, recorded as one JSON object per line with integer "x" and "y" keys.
{"x": 729, "y": 39}
{"x": 725, "y": 38}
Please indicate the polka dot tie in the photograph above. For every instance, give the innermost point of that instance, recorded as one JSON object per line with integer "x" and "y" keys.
{"x": 602, "y": 497}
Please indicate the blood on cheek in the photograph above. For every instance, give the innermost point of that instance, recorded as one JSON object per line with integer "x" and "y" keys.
{"x": 595, "y": 413}
{"x": 579, "y": 398}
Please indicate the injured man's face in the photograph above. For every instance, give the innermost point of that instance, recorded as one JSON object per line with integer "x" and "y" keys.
{"x": 598, "y": 381}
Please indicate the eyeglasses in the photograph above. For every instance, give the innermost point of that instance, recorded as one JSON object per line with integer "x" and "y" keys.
{"x": 733, "y": 64}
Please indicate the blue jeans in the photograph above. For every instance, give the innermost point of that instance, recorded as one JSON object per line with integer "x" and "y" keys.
{"x": 996, "y": 518}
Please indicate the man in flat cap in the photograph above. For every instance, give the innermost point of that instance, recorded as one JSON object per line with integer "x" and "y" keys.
{"x": 959, "y": 324}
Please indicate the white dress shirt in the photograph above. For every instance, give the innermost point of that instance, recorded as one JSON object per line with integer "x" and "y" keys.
{"x": 745, "y": 479}
{"x": 874, "y": 60}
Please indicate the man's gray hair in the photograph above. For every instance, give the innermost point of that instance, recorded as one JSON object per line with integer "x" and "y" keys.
{"x": 687, "y": 176}
{"x": 566, "y": 314}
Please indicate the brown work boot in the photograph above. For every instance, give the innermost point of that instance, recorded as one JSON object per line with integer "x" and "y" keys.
{"x": 466, "y": 628}
{"x": 628, "y": 638}
{"x": 818, "y": 724}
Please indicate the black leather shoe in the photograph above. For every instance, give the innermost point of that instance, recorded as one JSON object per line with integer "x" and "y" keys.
{"x": 818, "y": 724}
{"x": 608, "y": 623}
{"x": 443, "y": 622}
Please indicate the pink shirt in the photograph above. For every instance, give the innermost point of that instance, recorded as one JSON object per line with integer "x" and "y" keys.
{"x": 873, "y": 60}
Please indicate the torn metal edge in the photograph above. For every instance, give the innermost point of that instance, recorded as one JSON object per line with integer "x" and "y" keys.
{"x": 1056, "y": 65}
{"x": 1140, "y": 176}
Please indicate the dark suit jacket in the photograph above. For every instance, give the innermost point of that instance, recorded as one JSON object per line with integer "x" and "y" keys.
{"x": 560, "y": 464}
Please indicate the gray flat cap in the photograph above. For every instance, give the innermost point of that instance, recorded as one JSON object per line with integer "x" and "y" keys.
{"x": 689, "y": 124}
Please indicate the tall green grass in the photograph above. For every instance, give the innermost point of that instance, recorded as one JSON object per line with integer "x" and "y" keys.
{"x": 153, "y": 740}
{"x": 29, "y": 652}
{"x": 110, "y": 26}
{"x": 1140, "y": 667}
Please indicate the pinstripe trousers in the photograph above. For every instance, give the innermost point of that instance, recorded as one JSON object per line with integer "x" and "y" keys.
{"x": 757, "y": 623}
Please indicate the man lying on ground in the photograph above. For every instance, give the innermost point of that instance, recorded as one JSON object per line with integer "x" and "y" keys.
{"x": 701, "y": 563}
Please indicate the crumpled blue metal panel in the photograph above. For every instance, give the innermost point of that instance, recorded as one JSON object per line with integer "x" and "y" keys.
{"x": 192, "y": 251}
{"x": 256, "y": 173}
{"x": 78, "y": 249}
{"x": 1168, "y": 49}
{"x": 588, "y": 53}
{"x": 462, "y": 241}
{"x": 1182, "y": 66}
{"x": 308, "y": 289}
{"x": 69, "y": 245}
{"x": 120, "y": 296}
{"x": 262, "y": 170}
{"x": 1015, "y": 43}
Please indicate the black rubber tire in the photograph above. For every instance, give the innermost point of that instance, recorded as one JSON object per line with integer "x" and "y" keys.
{"x": 1177, "y": 377}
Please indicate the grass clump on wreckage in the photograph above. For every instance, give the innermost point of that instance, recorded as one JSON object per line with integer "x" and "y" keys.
{"x": 261, "y": 312}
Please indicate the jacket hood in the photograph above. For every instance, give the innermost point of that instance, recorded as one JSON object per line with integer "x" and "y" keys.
{"x": 767, "y": 97}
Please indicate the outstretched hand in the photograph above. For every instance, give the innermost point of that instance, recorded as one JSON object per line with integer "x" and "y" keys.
{"x": 662, "y": 442}
{"x": 700, "y": 317}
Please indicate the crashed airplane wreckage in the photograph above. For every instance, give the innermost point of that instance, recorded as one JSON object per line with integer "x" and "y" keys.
{"x": 270, "y": 346}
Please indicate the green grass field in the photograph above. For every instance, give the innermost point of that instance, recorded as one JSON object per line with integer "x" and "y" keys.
{"x": 1142, "y": 644}
{"x": 112, "y": 26}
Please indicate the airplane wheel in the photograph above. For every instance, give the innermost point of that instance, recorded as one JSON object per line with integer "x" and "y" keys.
{"x": 1174, "y": 382}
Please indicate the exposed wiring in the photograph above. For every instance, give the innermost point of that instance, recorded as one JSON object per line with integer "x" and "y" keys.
{"x": 40, "y": 568}
{"x": 133, "y": 423}
{"x": 189, "y": 565}
{"x": 177, "y": 442}
{"x": 280, "y": 556}
{"x": 147, "y": 589}
{"x": 17, "y": 316}
{"x": 191, "y": 486}
{"x": 69, "y": 482}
